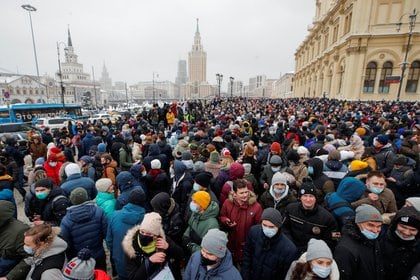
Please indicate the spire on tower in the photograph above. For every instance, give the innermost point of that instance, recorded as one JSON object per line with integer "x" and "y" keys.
{"x": 69, "y": 43}
{"x": 197, "y": 31}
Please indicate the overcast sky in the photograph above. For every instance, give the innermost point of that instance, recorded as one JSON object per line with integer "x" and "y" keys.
{"x": 135, "y": 38}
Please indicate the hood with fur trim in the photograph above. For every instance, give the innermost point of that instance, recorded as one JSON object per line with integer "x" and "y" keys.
{"x": 128, "y": 242}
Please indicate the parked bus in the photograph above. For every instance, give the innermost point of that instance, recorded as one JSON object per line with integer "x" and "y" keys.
{"x": 28, "y": 113}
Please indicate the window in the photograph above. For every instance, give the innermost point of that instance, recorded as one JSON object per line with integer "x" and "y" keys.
{"x": 413, "y": 77}
{"x": 347, "y": 23}
{"x": 335, "y": 33}
{"x": 386, "y": 71}
{"x": 370, "y": 76}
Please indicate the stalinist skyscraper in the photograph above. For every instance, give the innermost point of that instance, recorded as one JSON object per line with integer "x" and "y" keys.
{"x": 197, "y": 86}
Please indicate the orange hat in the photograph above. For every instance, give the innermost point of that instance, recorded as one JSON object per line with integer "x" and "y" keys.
{"x": 202, "y": 198}
{"x": 356, "y": 165}
{"x": 361, "y": 131}
{"x": 275, "y": 147}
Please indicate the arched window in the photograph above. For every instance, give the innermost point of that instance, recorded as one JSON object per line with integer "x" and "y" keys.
{"x": 370, "y": 76}
{"x": 413, "y": 77}
{"x": 386, "y": 71}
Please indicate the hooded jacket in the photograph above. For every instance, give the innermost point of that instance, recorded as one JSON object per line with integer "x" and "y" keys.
{"x": 110, "y": 171}
{"x": 11, "y": 242}
{"x": 75, "y": 181}
{"x": 245, "y": 217}
{"x": 183, "y": 185}
{"x": 154, "y": 153}
{"x": 53, "y": 172}
{"x": 126, "y": 184}
{"x": 107, "y": 202}
{"x": 385, "y": 159}
{"x": 118, "y": 226}
{"x": 84, "y": 226}
{"x": 49, "y": 264}
{"x": 38, "y": 150}
{"x": 268, "y": 199}
{"x": 225, "y": 270}
{"x": 334, "y": 275}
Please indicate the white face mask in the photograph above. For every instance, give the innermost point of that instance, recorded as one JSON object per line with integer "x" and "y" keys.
{"x": 52, "y": 163}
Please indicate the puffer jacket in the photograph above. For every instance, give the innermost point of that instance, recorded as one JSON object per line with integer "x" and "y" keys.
{"x": 12, "y": 255}
{"x": 120, "y": 222}
{"x": 126, "y": 184}
{"x": 84, "y": 226}
{"x": 267, "y": 258}
{"x": 107, "y": 202}
{"x": 199, "y": 225}
{"x": 245, "y": 217}
{"x": 125, "y": 158}
{"x": 53, "y": 172}
{"x": 75, "y": 181}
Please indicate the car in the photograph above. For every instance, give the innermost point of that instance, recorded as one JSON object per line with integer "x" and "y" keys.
{"x": 20, "y": 128}
{"x": 52, "y": 123}
{"x": 99, "y": 117}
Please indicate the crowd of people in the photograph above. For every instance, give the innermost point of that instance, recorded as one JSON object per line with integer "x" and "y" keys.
{"x": 223, "y": 189}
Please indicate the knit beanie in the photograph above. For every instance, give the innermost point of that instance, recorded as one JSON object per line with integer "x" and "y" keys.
{"x": 155, "y": 164}
{"x": 302, "y": 150}
{"x": 186, "y": 155}
{"x": 307, "y": 187}
{"x": 137, "y": 197}
{"x": 408, "y": 216}
{"x": 292, "y": 155}
{"x": 367, "y": 213}
{"x": 225, "y": 152}
{"x": 86, "y": 159}
{"x": 202, "y": 198}
{"x": 357, "y": 165}
{"x": 360, "y": 131}
{"x": 39, "y": 161}
{"x": 78, "y": 196}
{"x": 214, "y": 157}
{"x": 203, "y": 179}
{"x": 276, "y": 160}
{"x": 382, "y": 139}
{"x": 102, "y": 185}
{"x": 400, "y": 159}
{"x": 102, "y": 148}
{"x": 273, "y": 215}
{"x": 318, "y": 249}
{"x": 275, "y": 147}
{"x": 152, "y": 223}
{"x": 334, "y": 155}
{"x": 71, "y": 169}
{"x": 80, "y": 268}
{"x": 45, "y": 183}
{"x": 415, "y": 202}
{"x": 162, "y": 202}
{"x": 279, "y": 178}
{"x": 199, "y": 166}
{"x": 215, "y": 242}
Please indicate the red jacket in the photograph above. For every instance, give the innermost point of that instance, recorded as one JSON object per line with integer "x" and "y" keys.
{"x": 53, "y": 172}
{"x": 245, "y": 217}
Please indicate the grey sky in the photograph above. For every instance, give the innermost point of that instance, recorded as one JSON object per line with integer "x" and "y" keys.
{"x": 134, "y": 38}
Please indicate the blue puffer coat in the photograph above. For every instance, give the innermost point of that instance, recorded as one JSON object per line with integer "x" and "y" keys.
{"x": 225, "y": 270}
{"x": 75, "y": 181}
{"x": 122, "y": 220}
{"x": 84, "y": 226}
{"x": 126, "y": 184}
{"x": 267, "y": 258}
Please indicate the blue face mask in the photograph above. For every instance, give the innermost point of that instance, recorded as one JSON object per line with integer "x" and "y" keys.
{"x": 321, "y": 271}
{"x": 369, "y": 235}
{"x": 28, "y": 250}
{"x": 310, "y": 170}
{"x": 269, "y": 232}
{"x": 194, "y": 207}
{"x": 196, "y": 187}
{"x": 375, "y": 190}
{"x": 277, "y": 191}
{"x": 41, "y": 195}
{"x": 275, "y": 169}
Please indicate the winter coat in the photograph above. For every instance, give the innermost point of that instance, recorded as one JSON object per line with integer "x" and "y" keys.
{"x": 357, "y": 257}
{"x": 335, "y": 170}
{"x": 385, "y": 204}
{"x": 166, "y": 150}
{"x": 50, "y": 263}
{"x": 199, "y": 225}
{"x": 110, "y": 171}
{"x": 16, "y": 154}
{"x": 183, "y": 185}
{"x": 225, "y": 270}
{"x": 136, "y": 261}
{"x": 268, "y": 199}
{"x": 385, "y": 159}
{"x": 267, "y": 258}
{"x": 322, "y": 183}
{"x": 213, "y": 168}
{"x": 12, "y": 255}
{"x": 120, "y": 222}
{"x": 262, "y": 156}
{"x": 334, "y": 275}
{"x": 84, "y": 226}
{"x": 125, "y": 159}
{"x": 301, "y": 225}
{"x": 126, "y": 184}
{"x": 154, "y": 153}
{"x": 53, "y": 172}
{"x": 157, "y": 181}
{"x": 245, "y": 217}
{"x": 76, "y": 180}
{"x": 52, "y": 209}
{"x": 87, "y": 142}
{"x": 236, "y": 171}
{"x": 410, "y": 149}
{"x": 38, "y": 150}
{"x": 221, "y": 179}
{"x": 300, "y": 171}
{"x": 107, "y": 202}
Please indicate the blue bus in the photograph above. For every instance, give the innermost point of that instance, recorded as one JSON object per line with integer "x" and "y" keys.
{"x": 28, "y": 113}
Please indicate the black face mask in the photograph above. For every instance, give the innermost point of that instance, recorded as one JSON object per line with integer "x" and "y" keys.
{"x": 206, "y": 261}
{"x": 145, "y": 240}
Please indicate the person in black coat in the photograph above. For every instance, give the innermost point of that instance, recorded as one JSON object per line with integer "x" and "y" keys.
{"x": 399, "y": 244}
{"x": 358, "y": 254}
{"x": 268, "y": 252}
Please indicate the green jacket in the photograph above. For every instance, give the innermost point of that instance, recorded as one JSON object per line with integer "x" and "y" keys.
{"x": 199, "y": 225}
{"x": 107, "y": 202}
{"x": 11, "y": 241}
{"x": 126, "y": 159}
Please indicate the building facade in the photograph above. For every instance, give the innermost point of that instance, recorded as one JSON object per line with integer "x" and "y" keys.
{"x": 27, "y": 89}
{"x": 354, "y": 51}
{"x": 283, "y": 87}
{"x": 181, "y": 77}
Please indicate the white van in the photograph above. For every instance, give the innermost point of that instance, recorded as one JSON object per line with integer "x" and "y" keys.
{"x": 52, "y": 123}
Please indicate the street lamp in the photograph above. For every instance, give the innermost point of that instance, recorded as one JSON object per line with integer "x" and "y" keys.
{"x": 411, "y": 24}
{"x": 59, "y": 73}
{"x": 219, "y": 79}
{"x": 231, "y": 86}
{"x": 30, "y": 9}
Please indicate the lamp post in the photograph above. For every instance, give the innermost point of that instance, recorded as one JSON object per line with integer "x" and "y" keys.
{"x": 219, "y": 79}
{"x": 231, "y": 86}
{"x": 153, "y": 85}
{"x": 411, "y": 24}
{"x": 30, "y": 9}
{"x": 59, "y": 73}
